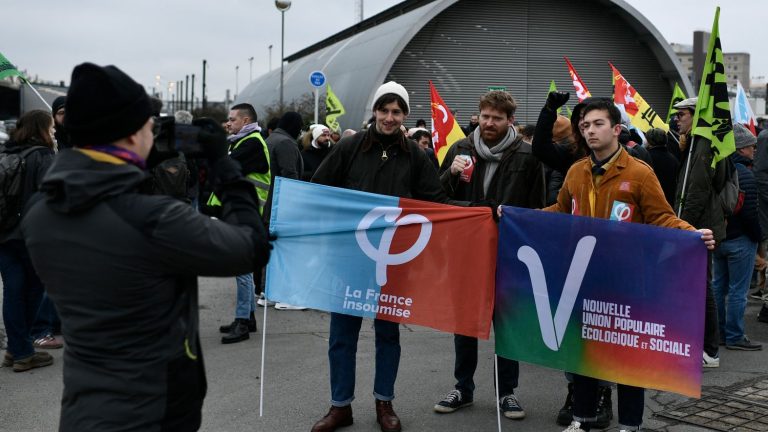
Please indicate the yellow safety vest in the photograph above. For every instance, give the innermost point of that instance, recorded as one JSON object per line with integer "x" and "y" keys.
{"x": 260, "y": 180}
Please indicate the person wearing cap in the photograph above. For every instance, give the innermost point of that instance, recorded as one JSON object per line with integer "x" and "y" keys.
{"x": 121, "y": 266}
{"x": 697, "y": 202}
{"x": 734, "y": 259}
{"x": 590, "y": 190}
{"x": 378, "y": 160}
{"x": 317, "y": 150}
{"x": 493, "y": 164}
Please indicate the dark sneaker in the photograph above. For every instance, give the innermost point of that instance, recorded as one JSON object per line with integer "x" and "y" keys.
{"x": 604, "y": 408}
{"x": 238, "y": 332}
{"x": 453, "y": 401}
{"x": 763, "y": 315}
{"x": 744, "y": 345}
{"x": 756, "y": 294}
{"x": 7, "y": 360}
{"x": 36, "y": 360}
{"x": 565, "y": 416}
{"x": 510, "y": 407}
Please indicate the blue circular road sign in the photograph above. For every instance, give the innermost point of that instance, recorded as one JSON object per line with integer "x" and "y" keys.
{"x": 317, "y": 79}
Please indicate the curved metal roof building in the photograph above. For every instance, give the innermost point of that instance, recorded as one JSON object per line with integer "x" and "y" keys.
{"x": 466, "y": 46}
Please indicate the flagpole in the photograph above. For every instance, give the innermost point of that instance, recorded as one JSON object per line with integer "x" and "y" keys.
{"x": 38, "y": 94}
{"x": 263, "y": 349}
{"x": 685, "y": 177}
{"x": 496, "y": 378}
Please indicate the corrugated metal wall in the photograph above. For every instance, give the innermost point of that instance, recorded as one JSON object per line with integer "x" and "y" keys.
{"x": 519, "y": 44}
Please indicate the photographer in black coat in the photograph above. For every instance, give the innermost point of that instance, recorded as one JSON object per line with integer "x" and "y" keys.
{"x": 121, "y": 266}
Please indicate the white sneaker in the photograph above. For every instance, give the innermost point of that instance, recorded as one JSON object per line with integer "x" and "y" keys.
{"x": 286, "y": 306}
{"x": 574, "y": 427}
{"x": 262, "y": 302}
{"x": 710, "y": 362}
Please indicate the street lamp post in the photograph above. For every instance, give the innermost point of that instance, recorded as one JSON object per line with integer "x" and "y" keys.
{"x": 270, "y": 58}
{"x": 237, "y": 70}
{"x": 282, "y": 6}
{"x": 250, "y": 69}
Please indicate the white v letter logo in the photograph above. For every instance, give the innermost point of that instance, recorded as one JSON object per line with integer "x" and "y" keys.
{"x": 552, "y": 331}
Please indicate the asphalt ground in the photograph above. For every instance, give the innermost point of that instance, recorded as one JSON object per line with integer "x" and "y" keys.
{"x": 296, "y": 383}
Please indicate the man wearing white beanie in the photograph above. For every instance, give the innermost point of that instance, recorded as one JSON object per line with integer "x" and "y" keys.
{"x": 317, "y": 151}
{"x": 378, "y": 160}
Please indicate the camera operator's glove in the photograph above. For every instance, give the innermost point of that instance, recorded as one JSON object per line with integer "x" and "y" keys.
{"x": 556, "y": 99}
{"x": 490, "y": 204}
{"x": 212, "y": 139}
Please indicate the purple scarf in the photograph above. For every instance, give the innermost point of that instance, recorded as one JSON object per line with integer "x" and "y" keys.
{"x": 121, "y": 153}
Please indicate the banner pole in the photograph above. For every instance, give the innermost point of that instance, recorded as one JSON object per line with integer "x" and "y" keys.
{"x": 685, "y": 177}
{"x": 38, "y": 95}
{"x": 496, "y": 378}
{"x": 263, "y": 350}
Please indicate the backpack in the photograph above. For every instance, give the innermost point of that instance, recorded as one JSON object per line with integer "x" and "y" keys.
{"x": 13, "y": 167}
{"x": 170, "y": 177}
{"x": 731, "y": 197}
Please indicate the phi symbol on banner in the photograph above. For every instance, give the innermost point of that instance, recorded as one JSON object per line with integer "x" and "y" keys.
{"x": 381, "y": 255}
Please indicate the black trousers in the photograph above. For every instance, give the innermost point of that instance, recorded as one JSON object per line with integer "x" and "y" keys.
{"x": 631, "y": 401}
{"x": 466, "y": 364}
{"x": 711, "y": 326}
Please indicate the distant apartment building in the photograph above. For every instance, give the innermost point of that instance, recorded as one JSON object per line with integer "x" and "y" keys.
{"x": 736, "y": 64}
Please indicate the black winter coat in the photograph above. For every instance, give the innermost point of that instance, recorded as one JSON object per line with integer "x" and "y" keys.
{"x": 760, "y": 169}
{"x": 406, "y": 173}
{"x": 37, "y": 163}
{"x": 313, "y": 157}
{"x": 518, "y": 180}
{"x": 666, "y": 167}
{"x": 746, "y": 221}
{"x": 121, "y": 268}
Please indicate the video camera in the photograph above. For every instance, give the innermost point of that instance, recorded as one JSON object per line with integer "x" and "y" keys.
{"x": 171, "y": 137}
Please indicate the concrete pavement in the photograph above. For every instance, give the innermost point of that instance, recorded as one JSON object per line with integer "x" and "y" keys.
{"x": 297, "y": 388}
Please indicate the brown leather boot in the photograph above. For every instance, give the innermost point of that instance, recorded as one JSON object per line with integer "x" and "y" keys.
{"x": 337, "y": 417}
{"x": 386, "y": 417}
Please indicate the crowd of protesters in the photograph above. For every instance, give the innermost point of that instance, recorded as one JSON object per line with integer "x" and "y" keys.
{"x": 112, "y": 227}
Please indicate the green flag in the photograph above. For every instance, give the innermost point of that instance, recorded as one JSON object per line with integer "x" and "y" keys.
{"x": 333, "y": 109}
{"x": 553, "y": 88}
{"x": 7, "y": 69}
{"x": 712, "y": 119}
{"x": 677, "y": 96}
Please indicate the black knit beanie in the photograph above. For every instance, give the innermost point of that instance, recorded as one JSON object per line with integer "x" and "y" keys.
{"x": 291, "y": 123}
{"x": 104, "y": 105}
{"x": 58, "y": 103}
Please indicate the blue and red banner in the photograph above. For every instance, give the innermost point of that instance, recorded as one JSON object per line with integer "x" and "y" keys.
{"x": 618, "y": 301}
{"x": 377, "y": 256}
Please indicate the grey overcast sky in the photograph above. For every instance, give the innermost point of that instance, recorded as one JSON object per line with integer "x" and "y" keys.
{"x": 169, "y": 38}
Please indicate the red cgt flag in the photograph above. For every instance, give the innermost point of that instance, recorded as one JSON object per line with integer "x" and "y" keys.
{"x": 582, "y": 92}
{"x": 445, "y": 129}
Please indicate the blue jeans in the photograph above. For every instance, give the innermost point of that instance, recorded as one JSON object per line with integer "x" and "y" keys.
{"x": 22, "y": 293}
{"x": 733, "y": 263}
{"x": 47, "y": 320}
{"x": 342, "y": 350}
{"x": 246, "y": 302}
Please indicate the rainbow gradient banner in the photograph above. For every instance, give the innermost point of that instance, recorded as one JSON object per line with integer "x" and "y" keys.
{"x": 618, "y": 301}
{"x": 377, "y": 256}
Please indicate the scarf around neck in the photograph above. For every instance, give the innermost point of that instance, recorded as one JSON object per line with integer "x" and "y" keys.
{"x": 245, "y": 131}
{"x": 492, "y": 156}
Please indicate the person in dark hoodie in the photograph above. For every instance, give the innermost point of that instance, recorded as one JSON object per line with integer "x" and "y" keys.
{"x": 22, "y": 290}
{"x": 735, "y": 258}
{"x": 59, "y": 112}
{"x": 121, "y": 267}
